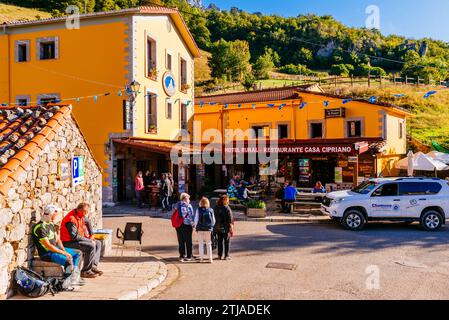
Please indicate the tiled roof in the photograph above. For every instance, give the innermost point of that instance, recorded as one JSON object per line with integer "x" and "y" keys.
{"x": 24, "y": 132}
{"x": 274, "y": 94}
{"x": 284, "y": 93}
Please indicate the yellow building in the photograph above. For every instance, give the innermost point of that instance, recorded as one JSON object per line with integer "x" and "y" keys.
{"x": 55, "y": 59}
{"x": 317, "y": 132}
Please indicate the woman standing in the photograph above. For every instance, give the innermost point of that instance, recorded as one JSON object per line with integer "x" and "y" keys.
{"x": 223, "y": 226}
{"x": 166, "y": 191}
{"x": 139, "y": 188}
{"x": 184, "y": 232}
{"x": 204, "y": 222}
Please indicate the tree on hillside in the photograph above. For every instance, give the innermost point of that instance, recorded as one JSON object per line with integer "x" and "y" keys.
{"x": 264, "y": 64}
{"x": 230, "y": 60}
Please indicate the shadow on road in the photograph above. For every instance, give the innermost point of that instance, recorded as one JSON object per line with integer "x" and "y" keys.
{"x": 333, "y": 239}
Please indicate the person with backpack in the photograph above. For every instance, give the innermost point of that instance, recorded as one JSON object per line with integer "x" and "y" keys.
{"x": 184, "y": 211}
{"x": 224, "y": 226}
{"x": 204, "y": 224}
{"x": 50, "y": 247}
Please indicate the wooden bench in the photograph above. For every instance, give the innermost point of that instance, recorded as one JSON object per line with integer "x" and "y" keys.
{"x": 294, "y": 205}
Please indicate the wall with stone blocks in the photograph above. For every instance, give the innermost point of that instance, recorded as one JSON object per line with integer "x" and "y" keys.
{"x": 39, "y": 186}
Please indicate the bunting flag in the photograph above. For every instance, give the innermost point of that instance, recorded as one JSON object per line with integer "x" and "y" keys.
{"x": 373, "y": 99}
{"x": 57, "y": 101}
{"x": 326, "y": 103}
{"x": 77, "y": 100}
{"x": 4, "y": 104}
{"x": 212, "y": 103}
{"x": 119, "y": 93}
{"x": 302, "y": 105}
{"x": 271, "y": 105}
{"x": 226, "y": 106}
{"x": 95, "y": 98}
{"x": 254, "y": 106}
{"x": 201, "y": 104}
{"x": 399, "y": 95}
{"x": 428, "y": 94}
{"x": 346, "y": 101}
{"x": 281, "y": 106}
{"x": 239, "y": 105}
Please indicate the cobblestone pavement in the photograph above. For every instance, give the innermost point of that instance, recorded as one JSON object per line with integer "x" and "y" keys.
{"x": 125, "y": 278}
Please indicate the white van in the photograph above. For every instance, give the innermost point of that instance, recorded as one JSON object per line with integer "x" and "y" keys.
{"x": 393, "y": 199}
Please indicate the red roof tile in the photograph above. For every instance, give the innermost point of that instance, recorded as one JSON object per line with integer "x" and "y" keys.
{"x": 24, "y": 132}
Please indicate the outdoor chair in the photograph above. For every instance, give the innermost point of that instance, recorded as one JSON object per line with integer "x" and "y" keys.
{"x": 133, "y": 232}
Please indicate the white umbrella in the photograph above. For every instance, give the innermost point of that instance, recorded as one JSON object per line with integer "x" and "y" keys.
{"x": 440, "y": 156}
{"x": 423, "y": 163}
{"x": 410, "y": 164}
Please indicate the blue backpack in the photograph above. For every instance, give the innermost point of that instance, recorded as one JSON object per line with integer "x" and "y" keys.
{"x": 205, "y": 220}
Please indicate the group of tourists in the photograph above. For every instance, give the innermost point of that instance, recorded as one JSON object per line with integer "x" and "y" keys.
{"x": 210, "y": 224}
{"x": 143, "y": 183}
{"x": 64, "y": 240}
{"x": 238, "y": 189}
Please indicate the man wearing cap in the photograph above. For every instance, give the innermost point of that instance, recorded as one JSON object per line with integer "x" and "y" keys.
{"x": 75, "y": 234}
{"x": 50, "y": 247}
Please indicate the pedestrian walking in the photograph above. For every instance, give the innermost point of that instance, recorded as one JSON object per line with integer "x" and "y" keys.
{"x": 204, "y": 224}
{"x": 166, "y": 192}
{"x": 139, "y": 188}
{"x": 224, "y": 224}
{"x": 184, "y": 232}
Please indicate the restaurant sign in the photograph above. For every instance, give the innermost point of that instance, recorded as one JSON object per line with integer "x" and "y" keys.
{"x": 317, "y": 149}
{"x": 335, "y": 113}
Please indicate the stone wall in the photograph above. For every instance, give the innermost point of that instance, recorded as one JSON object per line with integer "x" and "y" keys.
{"x": 39, "y": 186}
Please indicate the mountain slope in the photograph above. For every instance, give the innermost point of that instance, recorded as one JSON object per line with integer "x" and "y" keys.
{"x": 11, "y": 13}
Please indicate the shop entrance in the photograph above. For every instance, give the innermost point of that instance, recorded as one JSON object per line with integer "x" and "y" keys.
{"x": 323, "y": 170}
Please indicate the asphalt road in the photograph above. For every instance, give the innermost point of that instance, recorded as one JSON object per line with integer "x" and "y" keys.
{"x": 385, "y": 261}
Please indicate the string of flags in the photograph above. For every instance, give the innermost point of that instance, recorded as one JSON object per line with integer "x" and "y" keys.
{"x": 326, "y": 103}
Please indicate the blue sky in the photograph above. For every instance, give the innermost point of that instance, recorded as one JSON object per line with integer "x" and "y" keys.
{"x": 411, "y": 18}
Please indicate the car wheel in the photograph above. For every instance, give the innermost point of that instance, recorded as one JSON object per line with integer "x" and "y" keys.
{"x": 431, "y": 220}
{"x": 354, "y": 220}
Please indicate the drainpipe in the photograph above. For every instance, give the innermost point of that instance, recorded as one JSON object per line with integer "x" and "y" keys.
{"x": 8, "y": 61}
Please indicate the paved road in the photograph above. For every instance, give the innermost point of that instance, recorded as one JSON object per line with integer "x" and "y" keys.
{"x": 331, "y": 263}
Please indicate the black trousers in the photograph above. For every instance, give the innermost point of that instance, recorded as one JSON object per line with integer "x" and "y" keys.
{"x": 223, "y": 239}
{"x": 184, "y": 234}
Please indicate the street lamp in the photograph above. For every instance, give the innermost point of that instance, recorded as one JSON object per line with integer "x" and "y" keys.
{"x": 132, "y": 90}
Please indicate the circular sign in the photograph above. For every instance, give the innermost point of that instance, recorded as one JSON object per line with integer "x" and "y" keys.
{"x": 168, "y": 82}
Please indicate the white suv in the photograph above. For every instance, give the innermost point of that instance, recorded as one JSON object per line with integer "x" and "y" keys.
{"x": 394, "y": 199}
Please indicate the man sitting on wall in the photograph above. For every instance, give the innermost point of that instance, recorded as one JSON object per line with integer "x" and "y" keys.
{"x": 50, "y": 247}
{"x": 75, "y": 234}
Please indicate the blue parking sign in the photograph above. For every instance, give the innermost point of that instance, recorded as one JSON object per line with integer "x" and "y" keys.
{"x": 77, "y": 170}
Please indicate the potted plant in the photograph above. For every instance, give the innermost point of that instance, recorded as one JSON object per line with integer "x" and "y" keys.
{"x": 152, "y": 73}
{"x": 185, "y": 87}
{"x": 256, "y": 209}
{"x": 152, "y": 128}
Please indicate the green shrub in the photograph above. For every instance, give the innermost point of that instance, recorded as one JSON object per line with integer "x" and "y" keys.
{"x": 297, "y": 69}
{"x": 256, "y": 204}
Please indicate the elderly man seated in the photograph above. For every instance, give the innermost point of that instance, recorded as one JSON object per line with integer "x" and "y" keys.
{"x": 50, "y": 247}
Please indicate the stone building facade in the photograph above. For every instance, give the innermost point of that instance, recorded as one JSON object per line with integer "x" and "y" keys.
{"x": 32, "y": 176}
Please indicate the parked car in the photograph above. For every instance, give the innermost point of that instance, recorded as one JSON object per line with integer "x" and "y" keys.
{"x": 425, "y": 200}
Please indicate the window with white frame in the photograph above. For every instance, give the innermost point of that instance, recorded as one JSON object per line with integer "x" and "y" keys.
{"x": 151, "y": 58}
{"x": 168, "y": 110}
{"x": 22, "y": 50}
{"x": 22, "y": 101}
{"x": 44, "y": 99}
{"x": 47, "y": 48}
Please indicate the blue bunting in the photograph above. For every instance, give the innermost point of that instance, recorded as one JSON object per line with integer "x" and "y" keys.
{"x": 226, "y": 106}
{"x": 239, "y": 105}
{"x": 428, "y": 94}
{"x": 373, "y": 99}
{"x": 201, "y": 104}
{"x": 326, "y": 103}
{"x": 119, "y": 93}
{"x": 271, "y": 105}
{"x": 346, "y": 101}
{"x": 281, "y": 106}
{"x": 254, "y": 106}
{"x": 212, "y": 103}
{"x": 95, "y": 98}
{"x": 302, "y": 105}
{"x": 77, "y": 100}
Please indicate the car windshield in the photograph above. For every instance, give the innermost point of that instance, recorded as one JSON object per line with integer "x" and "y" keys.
{"x": 365, "y": 187}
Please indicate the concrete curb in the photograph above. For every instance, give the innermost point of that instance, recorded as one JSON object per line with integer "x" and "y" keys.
{"x": 302, "y": 220}
{"x": 151, "y": 284}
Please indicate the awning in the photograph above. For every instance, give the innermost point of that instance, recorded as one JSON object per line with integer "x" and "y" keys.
{"x": 161, "y": 147}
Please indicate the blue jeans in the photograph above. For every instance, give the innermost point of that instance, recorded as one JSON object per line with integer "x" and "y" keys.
{"x": 62, "y": 259}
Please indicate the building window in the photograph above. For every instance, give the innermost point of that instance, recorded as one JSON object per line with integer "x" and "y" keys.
{"x": 184, "y": 85}
{"x": 23, "y": 51}
{"x": 45, "y": 99}
{"x": 22, "y": 101}
{"x": 151, "y": 113}
{"x": 47, "y": 48}
{"x": 168, "y": 110}
{"x": 169, "y": 61}
{"x": 401, "y": 129}
{"x": 260, "y": 131}
{"x": 184, "y": 124}
{"x": 151, "y": 59}
{"x": 316, "y": 130}
{"x": 283, "y": 131}
{"x": 354, "y": 128}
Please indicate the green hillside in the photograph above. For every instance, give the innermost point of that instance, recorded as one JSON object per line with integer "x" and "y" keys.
{"x": 11, "y": 13}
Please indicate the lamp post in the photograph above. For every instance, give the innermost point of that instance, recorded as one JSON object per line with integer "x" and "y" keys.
{"x": 132, "y": 90}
